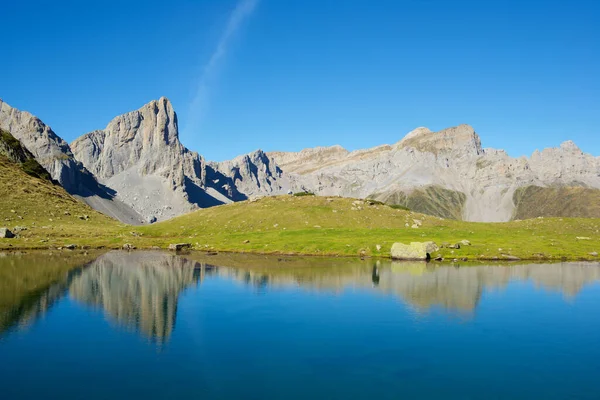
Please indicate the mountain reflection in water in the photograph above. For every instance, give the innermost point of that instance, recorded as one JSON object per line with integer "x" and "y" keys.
{"x": 140, "y": 290}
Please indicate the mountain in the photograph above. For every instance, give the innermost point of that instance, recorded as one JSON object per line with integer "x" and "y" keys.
{"x": 446, "y": 173}
{"x": 139, "y": 156}
{"x": 55, "y": 155}
{"x": 137, "y": 170}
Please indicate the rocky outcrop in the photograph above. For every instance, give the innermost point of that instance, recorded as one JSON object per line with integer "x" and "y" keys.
{"x": 254, "y": 174}
{"x": 55, "y": 155}
{"x": 140, "y": 157}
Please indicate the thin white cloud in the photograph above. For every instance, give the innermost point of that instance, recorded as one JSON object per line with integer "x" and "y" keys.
{"x": 242, "y": 11}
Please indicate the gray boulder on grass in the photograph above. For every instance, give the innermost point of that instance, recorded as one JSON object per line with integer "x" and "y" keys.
{"x": 5, "y": 233}
{"x": 413, "y": 251}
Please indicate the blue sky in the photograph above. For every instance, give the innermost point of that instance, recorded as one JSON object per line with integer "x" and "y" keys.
{"x": 285, "y": 75}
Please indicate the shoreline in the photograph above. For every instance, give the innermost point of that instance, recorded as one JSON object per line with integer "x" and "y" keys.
{"x": 215, "y": 252}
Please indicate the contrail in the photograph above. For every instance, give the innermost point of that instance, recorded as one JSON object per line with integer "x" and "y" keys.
{"x": 242, "y": 11}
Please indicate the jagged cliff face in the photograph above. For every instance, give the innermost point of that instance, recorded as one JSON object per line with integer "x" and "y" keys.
{"x": 255, "y": 174}
{"x": 139, "y": 155}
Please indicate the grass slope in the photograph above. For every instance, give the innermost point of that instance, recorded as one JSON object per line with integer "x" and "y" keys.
{"x": 15, "y": 152}
{"x": 535, "y": 201}
{"x": 433, "y": 200}
{"x": 338, "y": 226}
{"x": 50, "y": 215}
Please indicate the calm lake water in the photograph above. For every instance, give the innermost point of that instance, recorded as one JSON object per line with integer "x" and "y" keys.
{"x": 156, "y": 325}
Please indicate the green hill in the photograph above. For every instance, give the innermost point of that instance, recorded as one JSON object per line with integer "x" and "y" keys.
{"x": 534, "y": 201}
{"x": 340, "y": 226}
{"x": 41, "y": 211}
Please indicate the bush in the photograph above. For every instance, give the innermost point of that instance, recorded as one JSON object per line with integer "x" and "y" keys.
{"x": 399, "y": 207}
{"x": 300, "y": 194}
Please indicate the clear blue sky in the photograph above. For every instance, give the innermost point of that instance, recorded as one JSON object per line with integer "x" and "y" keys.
{"x": 284, "y": 75}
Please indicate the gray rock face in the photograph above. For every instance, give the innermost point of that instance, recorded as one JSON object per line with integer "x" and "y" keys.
{"x": 452, "y": 159}
{"x": 255, "y": 174}
{"x": 139, "y": 155}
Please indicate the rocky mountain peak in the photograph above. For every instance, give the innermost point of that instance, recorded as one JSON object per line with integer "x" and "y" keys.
{"x": 570, "y": 146}
{"x": 459, "y": 140}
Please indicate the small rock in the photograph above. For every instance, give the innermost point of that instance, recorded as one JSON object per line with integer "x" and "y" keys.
{"x": 465, "y": 242}
{"x": 151, "y": 219}
{"x": 583, "y": 238}
{"x": 378, "y": 247}
{"x": 5, "y": 233}
{"x": 128, "y": 247}
{"x": 454, "y": 246}
{"x": 19, "y": 229}
{"x": 246, "y": 241}
{"x": 508, "y": 257}
{"x": 70, "y": 247}
{"x": 439, "y": 258}
{"x": 594, "y": 254}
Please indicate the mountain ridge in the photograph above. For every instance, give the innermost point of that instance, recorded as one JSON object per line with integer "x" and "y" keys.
{"x": 139, "y": 159}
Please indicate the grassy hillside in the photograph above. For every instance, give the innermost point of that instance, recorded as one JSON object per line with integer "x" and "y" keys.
{"x": 535, "y": 201}
{"x": 50, "y": 215}
{"x": 339, "y": 226}
{"x": 15, "y": 152}
{"x": 431, "y": 200}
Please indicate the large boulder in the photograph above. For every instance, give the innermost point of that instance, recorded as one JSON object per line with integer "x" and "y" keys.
{"x": 180, "y": 246}
{"x": 6, "y": 234}
{"x": 413, "y": 251}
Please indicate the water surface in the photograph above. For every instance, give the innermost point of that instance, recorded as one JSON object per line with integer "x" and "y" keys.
{"x": 157, "y": 325}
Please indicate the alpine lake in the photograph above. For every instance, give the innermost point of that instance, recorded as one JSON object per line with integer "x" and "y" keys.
{"x": 152, "y": 324}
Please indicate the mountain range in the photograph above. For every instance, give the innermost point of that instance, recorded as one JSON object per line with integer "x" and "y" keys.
{"x": 136, "y": 170}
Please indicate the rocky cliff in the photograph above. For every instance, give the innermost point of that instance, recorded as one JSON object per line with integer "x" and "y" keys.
{"x": 55, "y": 155}
{"x": 140, "y": 157}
